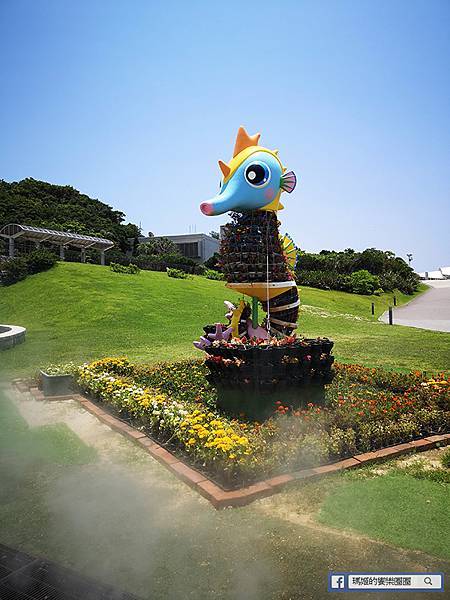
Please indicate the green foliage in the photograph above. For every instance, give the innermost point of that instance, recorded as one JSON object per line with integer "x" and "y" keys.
{"x": 39, "y": 260}
{"x": 324, "y": 280}
{"x": 16, "y": 269}
{"x": 213, "y": 262}
{"x": 130, "y": 269}
{"x": 160, "y": 262}
{"x": 60, "y": 369}
{"x": 212, "y": 274}
{"x": 393, "y": 271}
{"x": 406, "y": 282}
{"x": 62, "y": 207}
{"x": 445, "y": 458}
{"x": 13, "y": 270}
{"x": 176, "y": 273}
{"x": 186, "y": 382}
{"x": 362, "y": 282}
{"x": 342, "y": 442}
{"x": 157, "y": 247}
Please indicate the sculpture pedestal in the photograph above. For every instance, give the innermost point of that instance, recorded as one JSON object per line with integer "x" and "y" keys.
{"x": 251, "y": 379}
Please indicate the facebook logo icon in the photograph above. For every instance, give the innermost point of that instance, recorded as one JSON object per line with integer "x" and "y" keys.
{"x": 336, "y": 582}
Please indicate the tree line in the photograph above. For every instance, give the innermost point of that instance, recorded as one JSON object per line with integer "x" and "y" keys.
{"x": 62, "y": 207}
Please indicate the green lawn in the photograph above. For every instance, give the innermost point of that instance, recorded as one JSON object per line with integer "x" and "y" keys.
{"x": 395, "y": 508}
{"x": 79, "y": 312}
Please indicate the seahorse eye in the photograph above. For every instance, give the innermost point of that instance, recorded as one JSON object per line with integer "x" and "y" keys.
{"x": 257, "y": 174}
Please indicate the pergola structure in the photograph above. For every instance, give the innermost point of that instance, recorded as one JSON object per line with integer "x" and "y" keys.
{"x": 13, "y": 232}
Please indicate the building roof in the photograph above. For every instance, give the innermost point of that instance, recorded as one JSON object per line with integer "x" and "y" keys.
{"x": 41, "y": 234}
{"x": 192, "y": 236}
{"x": 435, "y": 275}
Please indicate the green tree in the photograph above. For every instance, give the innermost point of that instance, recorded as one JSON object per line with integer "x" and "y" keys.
{"x": 363, "y": 282}
{"x": 157, "y": 247}
{"x": 62, "y": 207}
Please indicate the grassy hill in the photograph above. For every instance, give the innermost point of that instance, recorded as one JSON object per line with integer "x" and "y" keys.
{"x": 79, "y": 312}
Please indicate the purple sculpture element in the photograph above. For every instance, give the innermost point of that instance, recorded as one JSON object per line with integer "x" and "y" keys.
{"x": 256, "y": 332}
{"x": 219, "y": 334}
{"x": 202, "y": 343}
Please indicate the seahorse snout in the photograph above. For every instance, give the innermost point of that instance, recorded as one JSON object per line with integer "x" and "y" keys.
{"x": 206, "y": 208}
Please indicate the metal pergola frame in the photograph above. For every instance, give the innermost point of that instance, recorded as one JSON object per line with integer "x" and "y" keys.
{"x": 14, "y": 231}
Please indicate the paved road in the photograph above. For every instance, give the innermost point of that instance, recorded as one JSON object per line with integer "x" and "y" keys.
{"x": 431, "y": 310}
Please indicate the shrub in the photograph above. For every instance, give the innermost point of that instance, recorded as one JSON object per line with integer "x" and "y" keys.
{"x": 362, "y": 282}
{"x": 342, "y": 442}
{"x": 199, "y": 270}
{"x": 40, "y": 260}
{"x": 113, "y": 255}
{"x": 324, "y": 280}
{"x": 130, "y": 269}
{"x": 212, "y": 274}
{"x": 13, "y": 270}
{"x": 176, "y": 261}
{"x": 176, "y": 273}
{"x": 213, "y": 262}
{"x": 406, "y": 282}
{"x": 393, "y": 271}
{"x": 158, "y": 247}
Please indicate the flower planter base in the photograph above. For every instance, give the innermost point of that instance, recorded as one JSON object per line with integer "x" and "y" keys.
{"x": 261, "y": 404}
{"x": 56, "y": 385}
{"x": 251, "y": 379}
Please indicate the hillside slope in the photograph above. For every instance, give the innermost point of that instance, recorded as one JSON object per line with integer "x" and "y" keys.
{"x": 78, "y": 312}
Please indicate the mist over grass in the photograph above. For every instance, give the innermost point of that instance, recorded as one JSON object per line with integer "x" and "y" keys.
{"x": 118, "y": 516}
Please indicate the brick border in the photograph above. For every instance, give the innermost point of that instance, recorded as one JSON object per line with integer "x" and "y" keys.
{"x": 219, "y": 497}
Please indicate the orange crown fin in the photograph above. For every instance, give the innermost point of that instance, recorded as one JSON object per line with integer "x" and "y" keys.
{"x": 224, "y": 168}
{"x": 243, "y": 140}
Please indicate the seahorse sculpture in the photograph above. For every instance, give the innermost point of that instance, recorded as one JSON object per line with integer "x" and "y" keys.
{"x": 255, "y": 259}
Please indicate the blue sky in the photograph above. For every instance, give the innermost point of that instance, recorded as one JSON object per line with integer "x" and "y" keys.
{"x": 134, "y": 103}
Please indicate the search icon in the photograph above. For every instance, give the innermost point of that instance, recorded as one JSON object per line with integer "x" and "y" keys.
{"x": 427, "y": 580}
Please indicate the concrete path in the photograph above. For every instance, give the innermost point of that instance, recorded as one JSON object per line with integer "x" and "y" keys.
{"x": 123, "y": 519}
{"x": 431, "y": 310}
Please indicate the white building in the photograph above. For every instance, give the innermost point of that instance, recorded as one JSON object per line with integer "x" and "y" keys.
{"x": 198, "y": 246}
{"x": 442, "y": 273}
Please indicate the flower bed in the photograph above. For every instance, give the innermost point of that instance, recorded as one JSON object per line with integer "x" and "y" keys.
{"x": 365, "y": 409}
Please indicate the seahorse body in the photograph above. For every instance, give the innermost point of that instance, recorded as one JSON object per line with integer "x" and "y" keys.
{"x": 252, "y": 254}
